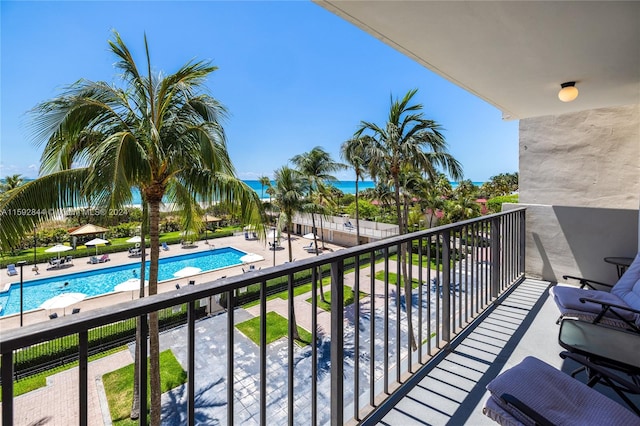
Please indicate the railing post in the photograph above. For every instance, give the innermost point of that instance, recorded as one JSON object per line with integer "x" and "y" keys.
{"x": 446, "y": 286}
{"x": 83, "y": 355}
{"x": 337, "y": 343}
{"x": 522, "y": 240}
{"x": 142, "y": 369}
{"x": 7, "y": 388}
{"x": 191, "y": 363}
{"x": 496, "y": 260}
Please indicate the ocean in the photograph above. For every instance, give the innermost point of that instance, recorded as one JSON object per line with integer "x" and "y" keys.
{"x": 346, "y": 186}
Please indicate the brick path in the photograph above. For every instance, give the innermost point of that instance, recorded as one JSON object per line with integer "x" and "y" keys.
{"x": 57, "y": 403}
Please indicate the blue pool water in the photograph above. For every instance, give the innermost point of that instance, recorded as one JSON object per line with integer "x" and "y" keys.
{"x": 103, "y": 280}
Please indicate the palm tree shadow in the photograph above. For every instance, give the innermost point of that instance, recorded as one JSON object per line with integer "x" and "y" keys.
{"x": 324, "y": 352}
{"x": 174, "y": 411}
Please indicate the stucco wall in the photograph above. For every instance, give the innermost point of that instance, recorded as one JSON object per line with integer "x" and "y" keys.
{"x": 580, "y": 179}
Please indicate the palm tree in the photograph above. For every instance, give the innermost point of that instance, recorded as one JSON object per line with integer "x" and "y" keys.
{"x": 353, "y": 152}
{"x": 264, "y": 181}
{"x": 317, "y": 166}
{"x": 406, "y": 140}
{"x": 11, "y": 182}
{"x": 158, "y": 133}
{"x": 289, "y": 197}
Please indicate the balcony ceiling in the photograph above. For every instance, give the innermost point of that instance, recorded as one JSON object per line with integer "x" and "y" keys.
{"x": 515, "y": 54}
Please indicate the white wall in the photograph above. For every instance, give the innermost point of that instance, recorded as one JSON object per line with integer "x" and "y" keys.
{"x": 580, "y": 179}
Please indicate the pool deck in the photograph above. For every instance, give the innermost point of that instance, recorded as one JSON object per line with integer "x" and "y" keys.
{"x": 81, "y": 264}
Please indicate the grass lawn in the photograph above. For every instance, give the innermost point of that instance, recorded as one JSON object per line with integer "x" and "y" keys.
{"x": 277, "y": 327}
{"x": 415, "y": 260}
{"x": 348, "y": 298}
{"x": 393, "y": 279}
{"x": 118, "y": 386}
{"x": 39, "y": 380}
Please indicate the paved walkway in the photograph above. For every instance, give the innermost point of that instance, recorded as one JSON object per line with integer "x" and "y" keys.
{"x": 57, "y": 403}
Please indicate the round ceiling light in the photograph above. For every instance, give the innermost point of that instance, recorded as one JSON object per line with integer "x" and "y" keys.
{"x": 568, "y": 91}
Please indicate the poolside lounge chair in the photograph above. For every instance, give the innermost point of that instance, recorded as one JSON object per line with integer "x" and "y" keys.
{"x": 534, "y": 392}
{"x": 69, "y": 259}
{"x": 75, "y": 311}
{"x": 619, "y": 307}
{"x": 93, "y": 260}
{"x": 104, "y": 258}
{"x": 349, "y": 226}
{"x": 53, "y": 316}
{"x": 165, "y": 247}
{"x": 11, "y": 269}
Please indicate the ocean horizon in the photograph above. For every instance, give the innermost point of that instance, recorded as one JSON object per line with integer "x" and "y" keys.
{"x": 346, "y": 186}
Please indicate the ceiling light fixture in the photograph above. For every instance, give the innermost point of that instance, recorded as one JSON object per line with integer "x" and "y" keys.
{"x": 568, "y": 92}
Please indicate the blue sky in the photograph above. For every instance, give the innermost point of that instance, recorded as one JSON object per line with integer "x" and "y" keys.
{"x": 292, "y": 75}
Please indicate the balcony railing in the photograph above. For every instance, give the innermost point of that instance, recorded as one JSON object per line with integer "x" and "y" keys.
{"x": 360, "y": 353}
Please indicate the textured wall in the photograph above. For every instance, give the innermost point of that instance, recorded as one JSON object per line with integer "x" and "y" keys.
{"x": 589, "y": 158}
{"x": 580, "y": 179}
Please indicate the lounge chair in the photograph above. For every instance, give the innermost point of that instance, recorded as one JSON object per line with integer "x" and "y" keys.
{"x": 619, "y": 307}
{"x": 534, "y": 392}
{"x": 165, "y": 247}
{"x": 93, "y": 260}
{"x": 349, "y": 226}
{"x": 69, "y": 259}
{"x": 177, "y": 286}
{"x": 75, "y": 311}
{"x": 53, "y": 316}
{"x": 104, "y": 258}
{"x": 11, "y": 269}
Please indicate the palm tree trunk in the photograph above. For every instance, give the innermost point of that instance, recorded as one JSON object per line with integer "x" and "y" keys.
{"x": 135, "y": 404}
{"x": 154, "y": 330}
{"x": 403, "y": 262}
{"x": 315, "y": 242}
{"x": 357, "y": 215}
{"x": 296, "y": 335}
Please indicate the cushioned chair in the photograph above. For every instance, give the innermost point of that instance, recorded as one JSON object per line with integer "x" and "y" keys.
{"x": 535, "y": 393}
{"x": 619, "y": 307}
{"x": 11, "y": 269}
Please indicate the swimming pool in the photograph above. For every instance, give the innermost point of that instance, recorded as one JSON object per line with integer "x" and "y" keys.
{"x": 103, "y": 280}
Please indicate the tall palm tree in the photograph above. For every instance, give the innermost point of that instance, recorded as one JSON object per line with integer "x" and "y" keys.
{"x": 317, "y": 167}
{"x": 289, "y": 197}
{"x": 158, "y": 133}
{"x": 264, "y": 181}
{"x": 406, "y": 140}
{"x": 354, "y": 152}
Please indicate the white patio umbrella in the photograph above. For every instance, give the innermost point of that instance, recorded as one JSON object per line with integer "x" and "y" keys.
{"x": 58, "y": 248}
{"x": 272, "y": 234}
{"x": 187, "y": 271}
{"x": 96, "y": 242}
{"x": 310, "y": 236}
{"x": 131, "y": 284}
{"x": 62, "y": 301}
{"x": 135, "y": 239}
{"x": 251, "y": 257}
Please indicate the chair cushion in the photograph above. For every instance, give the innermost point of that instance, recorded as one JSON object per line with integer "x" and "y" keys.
{"x": 556, "y": 396}
{"x": 628, "y": 286}
{"x": 568, "y": 300}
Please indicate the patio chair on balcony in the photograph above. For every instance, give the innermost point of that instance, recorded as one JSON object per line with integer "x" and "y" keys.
{"x": 535, "y": 393}
{"x": 619, "y": 307}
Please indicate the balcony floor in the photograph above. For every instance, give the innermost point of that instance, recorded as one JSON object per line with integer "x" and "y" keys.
{"x": 453, "y": 391}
